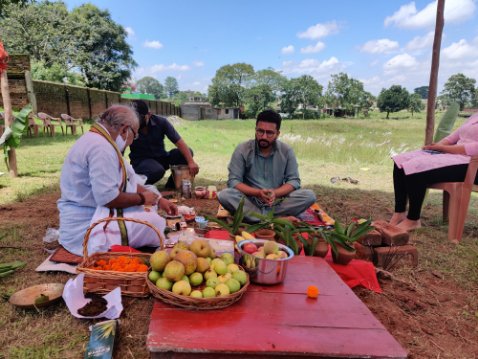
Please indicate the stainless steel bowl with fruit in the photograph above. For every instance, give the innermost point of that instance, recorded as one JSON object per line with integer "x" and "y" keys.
{"x": 265, "y": 261}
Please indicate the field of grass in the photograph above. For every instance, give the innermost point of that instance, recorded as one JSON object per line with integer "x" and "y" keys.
{"x": 357, "y": 148}
{"x": 436, "y": 302}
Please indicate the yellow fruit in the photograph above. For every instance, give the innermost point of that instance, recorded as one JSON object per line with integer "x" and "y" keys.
{"x": 247, "y": 235}
{"x": 239, "y": 239}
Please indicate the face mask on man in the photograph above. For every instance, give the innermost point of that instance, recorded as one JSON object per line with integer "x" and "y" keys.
{"x": 120, "y": 142}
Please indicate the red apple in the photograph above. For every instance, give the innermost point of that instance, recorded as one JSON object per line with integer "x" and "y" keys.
{"x": 249, "y": 248}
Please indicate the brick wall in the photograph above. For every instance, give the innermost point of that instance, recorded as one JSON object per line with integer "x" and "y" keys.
{"x": 17, "y": 66}
{"x": 57, "y": 98}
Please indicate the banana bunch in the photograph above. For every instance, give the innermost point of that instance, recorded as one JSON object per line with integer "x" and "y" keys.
{"x": 9, "y": 268}
{"x": 244, "y": 236}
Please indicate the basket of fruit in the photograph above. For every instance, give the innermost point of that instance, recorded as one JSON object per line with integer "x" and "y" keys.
{"x": 104, "y": 271}
{"x": 265, "y": 261}
{"x": 192, "y": 277}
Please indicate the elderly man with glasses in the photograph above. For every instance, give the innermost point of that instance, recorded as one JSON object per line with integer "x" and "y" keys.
{"x": 265, "y": 171}
{"x": 96, "y": 182}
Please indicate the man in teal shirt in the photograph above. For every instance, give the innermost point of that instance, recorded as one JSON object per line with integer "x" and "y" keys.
{"x": 265, "y": 171}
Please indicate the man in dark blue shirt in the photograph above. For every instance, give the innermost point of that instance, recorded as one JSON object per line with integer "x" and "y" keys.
{"x": 148, "y": 155}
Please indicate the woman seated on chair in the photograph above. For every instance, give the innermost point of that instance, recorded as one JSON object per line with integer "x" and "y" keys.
{"x": 96, "y": 182}
{"x": 444, "y": 161}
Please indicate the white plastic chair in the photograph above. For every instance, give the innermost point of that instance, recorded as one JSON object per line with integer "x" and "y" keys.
{"x": 72, "y": 123}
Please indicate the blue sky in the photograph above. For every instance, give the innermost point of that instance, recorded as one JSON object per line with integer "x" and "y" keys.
{"x": 379, "y": 42}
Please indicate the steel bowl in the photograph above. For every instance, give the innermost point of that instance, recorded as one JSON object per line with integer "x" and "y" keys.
{"x": 262, "y": 270}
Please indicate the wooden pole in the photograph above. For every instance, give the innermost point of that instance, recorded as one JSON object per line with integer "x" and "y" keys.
{"x": 432, "y": 88}
{"x": 7, "y": 107}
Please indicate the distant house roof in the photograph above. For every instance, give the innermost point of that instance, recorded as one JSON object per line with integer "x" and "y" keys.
{"x": 138, "y": 96}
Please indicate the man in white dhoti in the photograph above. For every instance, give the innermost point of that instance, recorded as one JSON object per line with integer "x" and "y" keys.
{"x": 96, "y": 182}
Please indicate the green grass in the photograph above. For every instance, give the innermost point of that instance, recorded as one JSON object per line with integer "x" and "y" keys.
{"x": 357, "y": 148}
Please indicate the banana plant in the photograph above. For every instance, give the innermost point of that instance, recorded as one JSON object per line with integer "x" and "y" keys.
{"x": 12, "y": 136}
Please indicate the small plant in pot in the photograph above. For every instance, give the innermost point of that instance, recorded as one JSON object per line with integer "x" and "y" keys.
{"x": 342, "y": 238}
{"x": 265, "y": 228}
{"x": 288, "y": 232}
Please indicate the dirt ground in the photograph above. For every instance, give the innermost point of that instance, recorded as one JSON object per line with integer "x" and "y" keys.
{"x": 426, "y": 309}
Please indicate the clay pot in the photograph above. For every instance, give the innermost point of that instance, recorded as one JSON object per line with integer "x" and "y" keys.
{"x": 267, "y": 234}
{"x": 343, "y": 256}
{"x": 321, "y": 249}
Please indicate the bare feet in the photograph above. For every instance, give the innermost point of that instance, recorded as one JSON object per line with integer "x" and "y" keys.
{"x": 397, "y": 217}
{"x": 409, "y": 225}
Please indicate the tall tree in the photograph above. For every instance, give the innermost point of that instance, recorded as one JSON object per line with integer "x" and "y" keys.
{"x": 258, "y": 98}
{"x": 228, "y": 86}
{"x": 56, "y": 72}
{"x": 347, "y": 93}
{"x": 271, "y": 78}
{"x": 87, "y": 39}
{"x": 150, "y": 85}
{"x": 459, "y": 89}
{"x": 106, "y": 59}
{"x": 301, "y": 92}
{"x": 41, "y": 30}
{"x": 171, "y": 86}
{"x": 415, "y": 103}
{"x": 394, "y": 99}
{"x": 422, "y": 91}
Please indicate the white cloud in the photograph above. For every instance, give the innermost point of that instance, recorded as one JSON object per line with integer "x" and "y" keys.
{"x": 459, "y": 50}
{"x": 319, "y": 69}
{"x": 318, "y": 31}
{"x": 312, "y": 49}
{"x": 129, "y": 30}
{"x": 198, "y": 63}
{"x": 420, "y": 42}
{"x": 379, "y": 46}
{"x": 172, "y": 67}
{"x": 287, "y": 50}
{"x": 400, "y": 62}
{"x": 409, "y": 17}
{"x": 155, "y": 44}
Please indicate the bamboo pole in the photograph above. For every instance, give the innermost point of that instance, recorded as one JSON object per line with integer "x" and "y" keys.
{"x": 432, "y": 88}
{"x": 7, "y": 107}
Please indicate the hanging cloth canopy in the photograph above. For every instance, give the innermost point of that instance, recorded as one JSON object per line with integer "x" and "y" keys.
{"x": 3, "y": 58}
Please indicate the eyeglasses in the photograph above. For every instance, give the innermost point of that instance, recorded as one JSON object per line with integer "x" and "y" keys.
{"x": 260, "y": 132}
{"x": 135, "y": 134}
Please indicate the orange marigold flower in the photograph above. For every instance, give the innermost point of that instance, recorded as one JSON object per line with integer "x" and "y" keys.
{"x": 142, "y": 268}
{"x": 312, "y": 291}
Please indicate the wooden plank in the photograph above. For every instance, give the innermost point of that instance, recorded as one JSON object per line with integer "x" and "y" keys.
{"x": 276, "y": 321}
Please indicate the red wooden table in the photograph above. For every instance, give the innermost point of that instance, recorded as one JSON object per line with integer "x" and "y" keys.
{"x": 277, "y": 321}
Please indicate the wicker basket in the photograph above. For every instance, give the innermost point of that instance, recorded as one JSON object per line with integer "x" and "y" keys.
{"x": 196, "y": 303}
{"x": 132, "y": 284}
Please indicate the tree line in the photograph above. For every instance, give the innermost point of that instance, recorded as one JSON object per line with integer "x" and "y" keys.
{"x": 85, "y": 46}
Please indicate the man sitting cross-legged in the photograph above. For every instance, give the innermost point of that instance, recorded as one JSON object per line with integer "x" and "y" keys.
{"x": 265, "y": 171}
